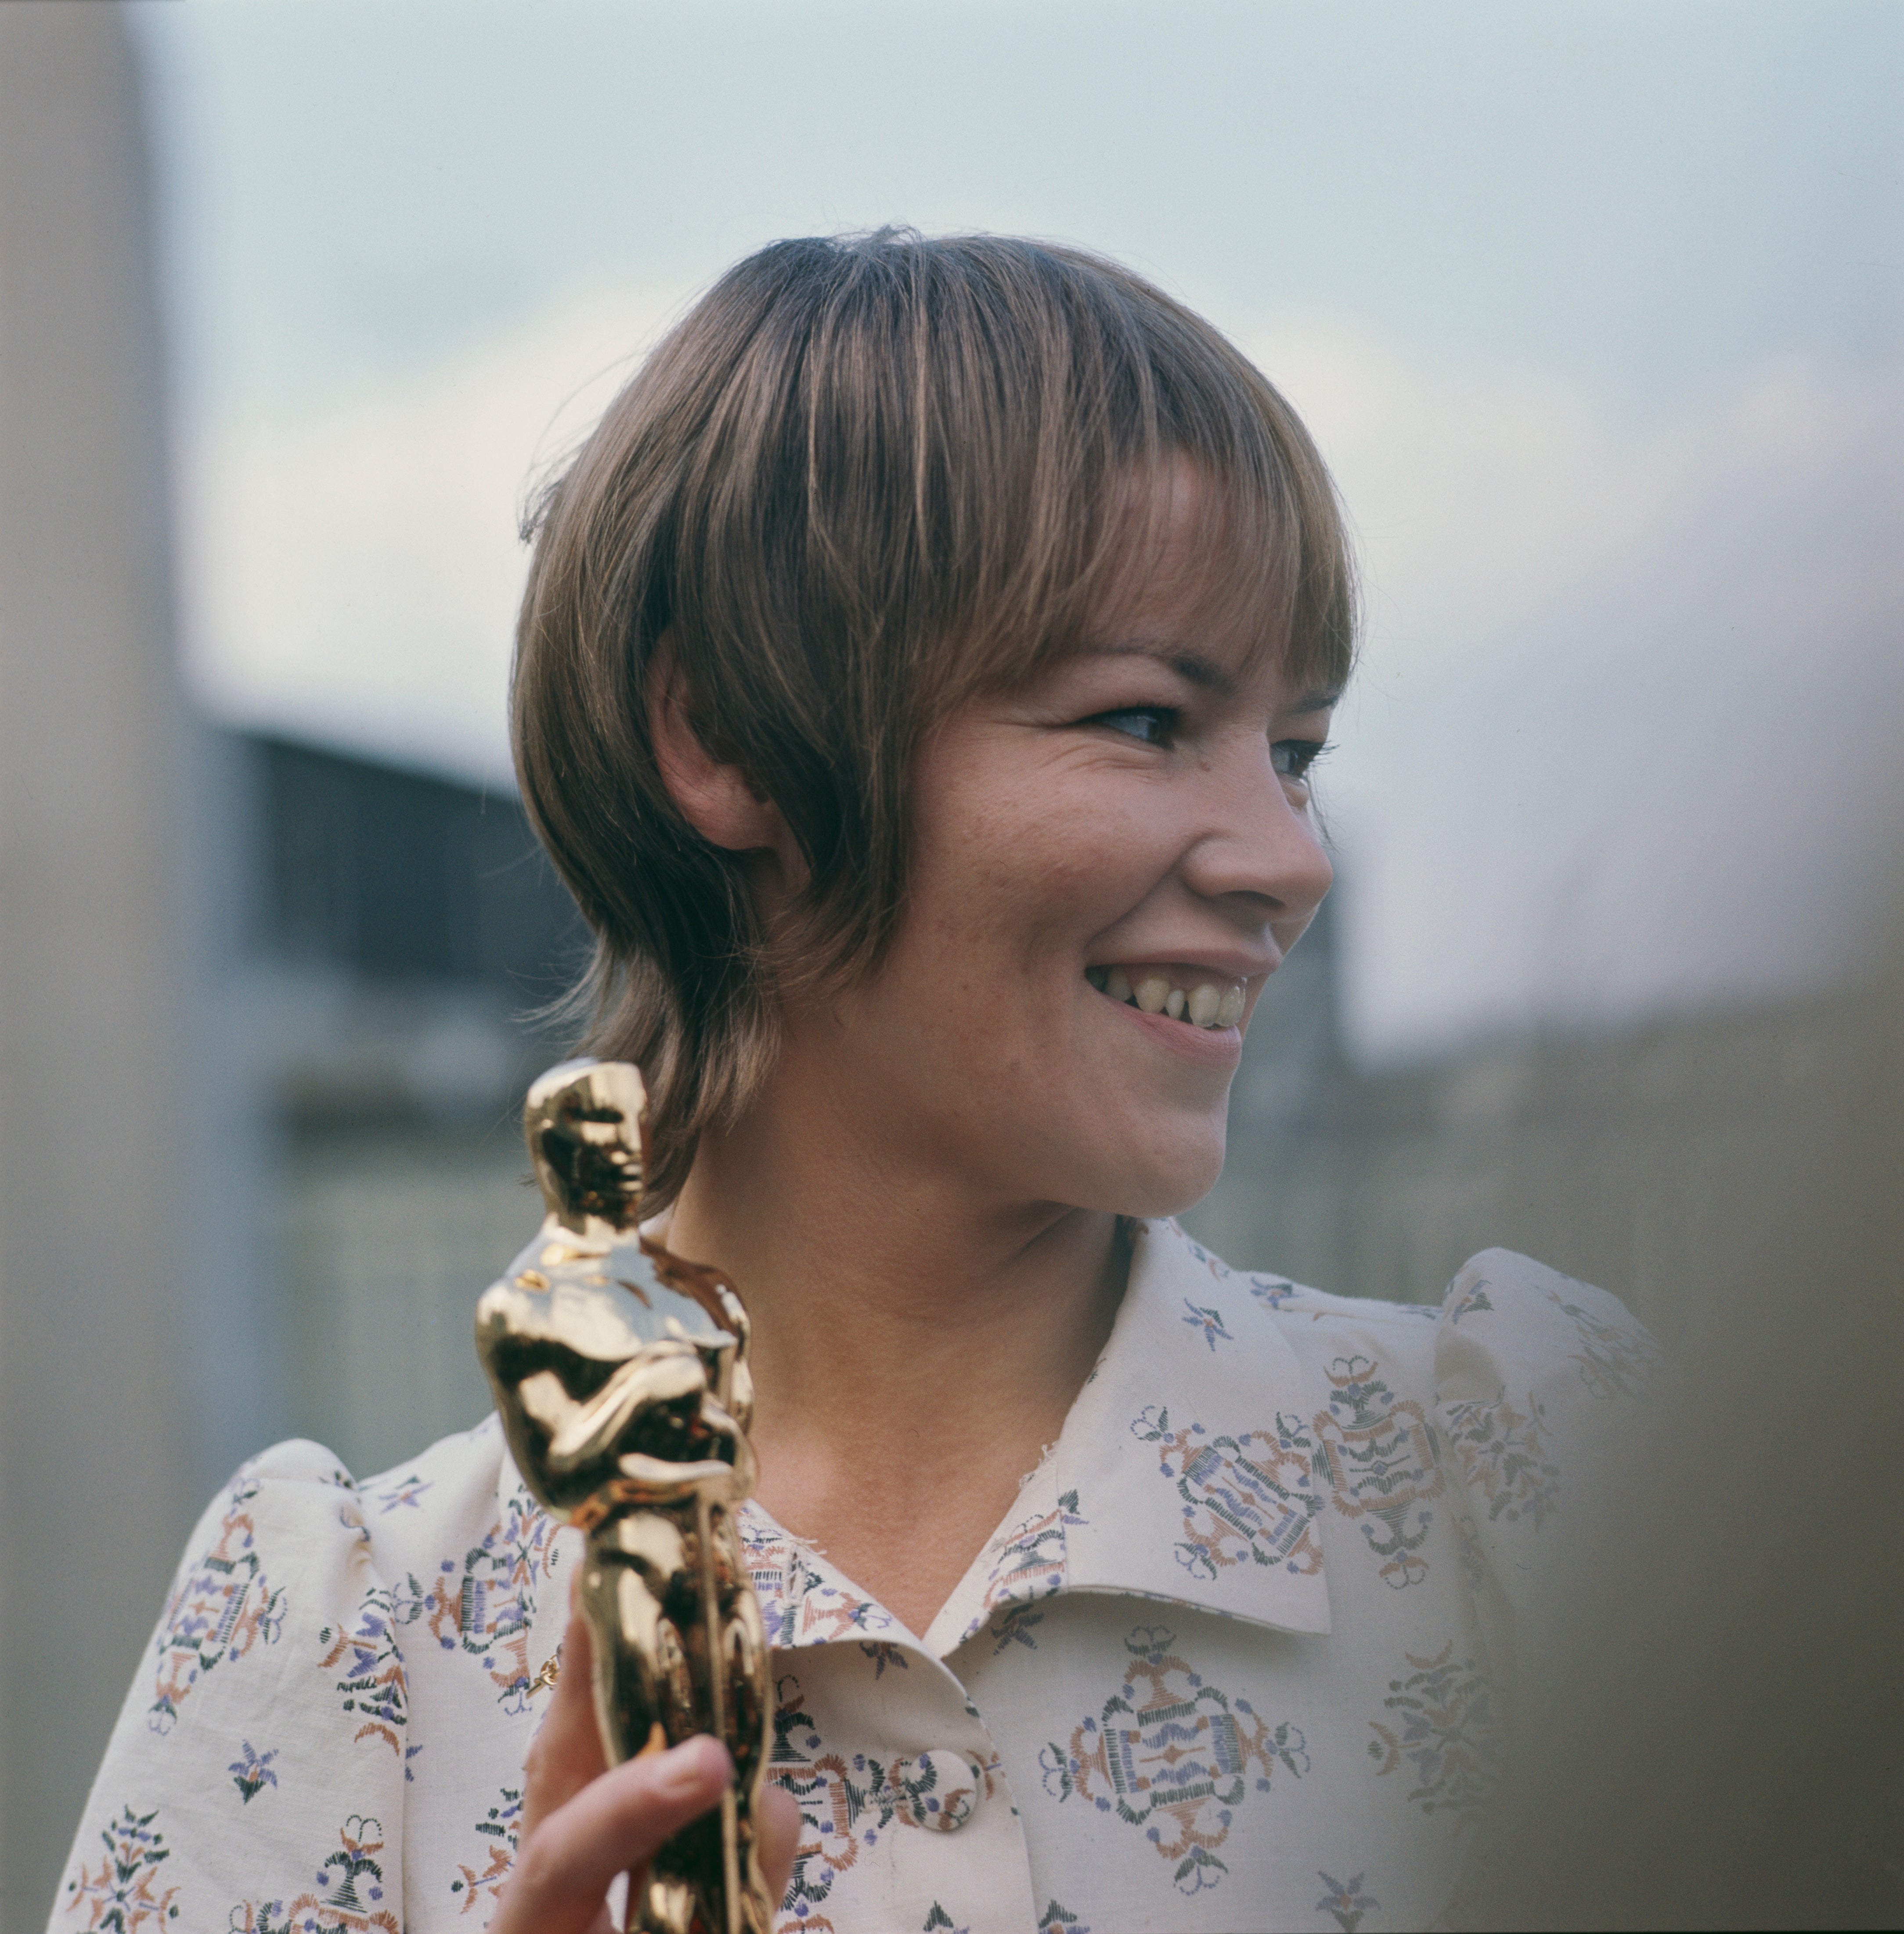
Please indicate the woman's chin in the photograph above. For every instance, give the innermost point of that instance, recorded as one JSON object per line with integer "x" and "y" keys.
{"x": 1165, "y": 1181}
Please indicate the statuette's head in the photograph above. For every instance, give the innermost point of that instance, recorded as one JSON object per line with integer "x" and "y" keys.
{"x": 586, "y": 1122}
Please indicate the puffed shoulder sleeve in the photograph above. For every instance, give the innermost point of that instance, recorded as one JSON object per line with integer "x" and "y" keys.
{"x": 256, "y": 1774}
{"x": 1538, "y": 1381}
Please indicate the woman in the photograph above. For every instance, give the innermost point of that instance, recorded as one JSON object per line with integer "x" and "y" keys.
{"x": 918, "y": 682}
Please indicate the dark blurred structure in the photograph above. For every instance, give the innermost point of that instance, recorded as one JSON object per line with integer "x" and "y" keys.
{"x": 405, "y": 929}
{"x": 396, "y": 877}
{"x": 1710, "y": 1732}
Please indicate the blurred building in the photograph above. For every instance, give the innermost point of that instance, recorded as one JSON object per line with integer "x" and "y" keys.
{"x": 1620, "y": 1156}
{"x": 404, "y": 931}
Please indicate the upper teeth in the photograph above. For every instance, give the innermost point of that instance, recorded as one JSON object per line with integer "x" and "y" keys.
{"x": 1205, "y": 1003}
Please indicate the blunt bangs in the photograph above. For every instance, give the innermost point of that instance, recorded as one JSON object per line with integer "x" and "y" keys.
{"x": 864, "y": 477}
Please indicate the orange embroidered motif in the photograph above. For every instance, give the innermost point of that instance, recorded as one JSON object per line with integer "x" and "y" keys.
{"x": 502, "y": 1829}
{"x": 374, "y": 1684}
{"x": 122, "y": 1892}
{"x": 1245, "y": 1497}
{"x": 1173, "y": 1756}
{"x": 223, "y": 1607}
{"x": 486, "y": 1612}
{"x": 354, "y": 1879}
{"x": 1376, "y": 1454}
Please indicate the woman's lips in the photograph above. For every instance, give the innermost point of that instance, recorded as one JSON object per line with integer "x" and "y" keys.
{"x": 1206, "y": 1047}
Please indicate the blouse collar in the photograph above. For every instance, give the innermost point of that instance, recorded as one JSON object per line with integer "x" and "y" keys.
{"x": 1176, "y": 1478}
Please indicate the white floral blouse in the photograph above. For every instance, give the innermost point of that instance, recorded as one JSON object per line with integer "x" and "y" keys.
{"x": 1240, "y": 1659}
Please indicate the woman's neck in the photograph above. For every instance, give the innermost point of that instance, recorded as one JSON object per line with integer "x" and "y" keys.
{"x": 915, "y": 1346}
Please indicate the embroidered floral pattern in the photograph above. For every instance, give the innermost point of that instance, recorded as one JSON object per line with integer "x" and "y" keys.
{"x": 1613, "y": 1360}
{"x": 122, "y": 1892}
{"x": 1346, "y": 1901}
{"x": 1272, "y": 1292}
{"x": 223, "y": 1607}
{"x": 1376, "y": 1454}
{"x": 1246, "y": 1497}
{"x": 1015, "y": 1627}
{"x": 1054, "y": 1916}
{"x": 1449, "y": 1733}
{"x": 502, "y": 1827}
{"x": 251, "y": 1772}
{"x": 845, "y": 1805}
{"x": 801, "y": 1603}
{"x": 374, "y": 1684}
{"x": 488, "y": 1610}
{"x": 831, "y": 1814}
{"x": 1504, "y": 1458}
{"x": 353, "y": 1878}
{"x": 1209, "y": 1321}
{"x": 408, "y": 1492}
{"x": 1028, "y": 1561}
{"x": 1173, "y": 1756}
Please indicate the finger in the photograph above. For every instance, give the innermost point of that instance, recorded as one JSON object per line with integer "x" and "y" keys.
{"x": 777, "y": 1813}
{"x": 566, "y": 1752}
{"x": 614, "y": 1824}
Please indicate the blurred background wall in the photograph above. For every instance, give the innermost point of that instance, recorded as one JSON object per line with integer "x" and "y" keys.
{"x": 261, "y": 1004}
{"x": 99, "y": 1448}
{"x": 1595, "y": 313}
{"x": 1630, "y": 1156}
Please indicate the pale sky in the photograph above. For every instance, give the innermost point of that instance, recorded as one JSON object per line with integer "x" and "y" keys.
{"x": 1594, "y": 310}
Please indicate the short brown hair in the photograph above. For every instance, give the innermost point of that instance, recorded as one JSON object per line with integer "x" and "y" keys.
{"x": 864, "y": 477}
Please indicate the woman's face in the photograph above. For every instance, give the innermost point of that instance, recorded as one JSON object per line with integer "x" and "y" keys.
{"x": 1102, "y": 862}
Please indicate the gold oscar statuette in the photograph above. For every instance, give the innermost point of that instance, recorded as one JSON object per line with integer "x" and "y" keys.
{"x": 620, "y": 1373}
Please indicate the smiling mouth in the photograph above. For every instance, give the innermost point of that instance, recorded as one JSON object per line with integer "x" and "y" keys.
{"x": 1195, "y": 997}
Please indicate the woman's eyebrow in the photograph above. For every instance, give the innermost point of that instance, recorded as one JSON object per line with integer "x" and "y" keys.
{"x": 1324, "y": 698}
{"x": 1191, "y": 667}
{"x": 1208, "y": 676}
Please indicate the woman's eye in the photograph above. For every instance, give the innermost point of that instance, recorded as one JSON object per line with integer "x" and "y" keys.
{"x": 1154, "y": 725}
{"x": 1293, "y": 757}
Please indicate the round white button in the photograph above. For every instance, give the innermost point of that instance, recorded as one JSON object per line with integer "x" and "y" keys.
{"x": 942, "y": 1789}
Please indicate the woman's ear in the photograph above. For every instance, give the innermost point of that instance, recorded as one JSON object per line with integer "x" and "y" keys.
{"x": 715, "y": 799}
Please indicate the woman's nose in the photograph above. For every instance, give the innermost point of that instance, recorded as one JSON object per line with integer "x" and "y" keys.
{"x": 1261, "y": 844}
